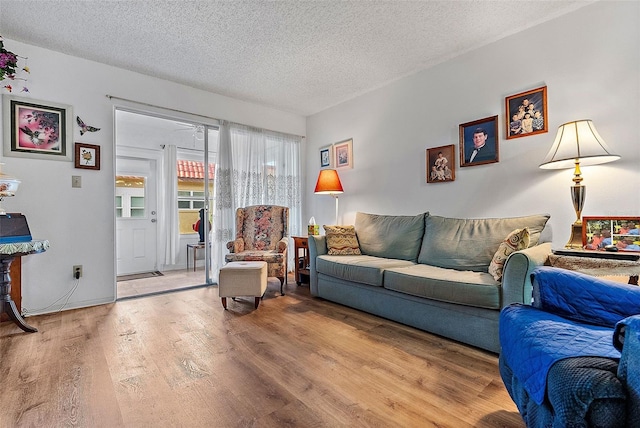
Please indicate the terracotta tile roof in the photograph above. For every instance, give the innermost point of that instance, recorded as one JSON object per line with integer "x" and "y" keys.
{"x": 193, "y": 169}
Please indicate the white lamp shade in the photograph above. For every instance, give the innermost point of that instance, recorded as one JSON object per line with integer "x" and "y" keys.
{"x": 578, "y": 140}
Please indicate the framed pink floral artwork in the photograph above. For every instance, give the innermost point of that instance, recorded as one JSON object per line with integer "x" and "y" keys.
{"x": 36, "y": 129}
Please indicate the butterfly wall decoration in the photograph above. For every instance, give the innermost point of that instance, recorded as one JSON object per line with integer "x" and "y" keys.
{"x": 85, "y": 128}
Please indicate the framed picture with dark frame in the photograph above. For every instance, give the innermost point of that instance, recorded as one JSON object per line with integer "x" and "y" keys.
{"x": 526, "y": 113}
{"x": 441, "y": 164}
{"x": 36, "y": 129}
{"x": 87, "y": 156}
{"x": 607, "y": 233}
{"x": 479, "y": 142}
{"x": 326, "y": 157}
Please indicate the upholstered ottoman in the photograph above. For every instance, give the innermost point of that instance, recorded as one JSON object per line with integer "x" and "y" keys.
{"x": 242, "y": 279}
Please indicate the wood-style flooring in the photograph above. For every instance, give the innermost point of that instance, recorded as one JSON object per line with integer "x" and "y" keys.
{"x": 181, "y": 360}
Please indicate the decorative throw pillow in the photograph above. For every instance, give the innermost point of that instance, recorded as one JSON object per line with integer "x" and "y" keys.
{"x": 342, "y": 240}
{"x": 515, "y": 241}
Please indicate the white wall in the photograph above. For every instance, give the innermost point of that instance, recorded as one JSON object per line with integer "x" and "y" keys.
{"x": 589, "y": 59}
{"x": 590, "y": 62}
{"x": 79, "y": 223}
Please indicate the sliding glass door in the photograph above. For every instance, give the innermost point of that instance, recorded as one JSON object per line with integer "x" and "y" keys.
{"x": 175, "y": 161}
{"x": 195, "y": 175}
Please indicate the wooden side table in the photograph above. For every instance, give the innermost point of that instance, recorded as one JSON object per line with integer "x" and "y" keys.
{"x": 598, "y": 263}
{"x": 15, "y": 273}
{"x": 301, "y": 252}
{"x": 8, "y": 253}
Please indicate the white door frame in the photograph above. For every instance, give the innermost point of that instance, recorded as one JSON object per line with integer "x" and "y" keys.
{"x": 168, "y": 114}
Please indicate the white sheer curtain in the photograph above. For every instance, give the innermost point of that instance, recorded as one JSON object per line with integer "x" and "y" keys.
{"x": 255, "y": 167}
{"x": 223, "y": 211}
{"x": 169, "y": 202}
{"x": 284, "y": 186}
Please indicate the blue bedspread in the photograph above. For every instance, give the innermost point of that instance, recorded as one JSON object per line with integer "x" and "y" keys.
{"x": 563, "y": 324}
{"x": 629, "y": 369}
{"x": 584, "y": 298}
{"x": 545, "y": 338}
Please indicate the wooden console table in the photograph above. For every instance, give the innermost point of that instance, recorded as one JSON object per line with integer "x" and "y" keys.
{"x": 598, "y": 263}
{"x": 301, "y": 253}
{"x": 8, "y": 253}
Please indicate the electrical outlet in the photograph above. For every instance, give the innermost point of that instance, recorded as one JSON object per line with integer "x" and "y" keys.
{"x": 77, "y": 271}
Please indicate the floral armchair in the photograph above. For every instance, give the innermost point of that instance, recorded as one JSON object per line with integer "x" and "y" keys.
{"x": 262, "y": 234}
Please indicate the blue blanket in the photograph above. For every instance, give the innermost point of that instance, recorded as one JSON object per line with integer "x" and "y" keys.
{"x": 584, "y": 298}
{"x": 629, "y": 368}
{"x": 532, "y": 340}
{"x": 575, "y": 316}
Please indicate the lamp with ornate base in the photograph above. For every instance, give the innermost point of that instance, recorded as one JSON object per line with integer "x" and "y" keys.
{"x": 577, "y": 143}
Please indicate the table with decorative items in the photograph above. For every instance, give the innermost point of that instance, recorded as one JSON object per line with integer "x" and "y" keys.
{"x": 301, "y": 254}
{"x": 8, "y": 252}
{"x": 598, "y": 263}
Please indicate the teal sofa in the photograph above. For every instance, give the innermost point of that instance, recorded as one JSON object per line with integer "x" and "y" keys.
{"x": 431, "y": 272}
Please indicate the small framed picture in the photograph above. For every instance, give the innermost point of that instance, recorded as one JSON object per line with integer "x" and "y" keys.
{"x": 36, "y": 129}
{"x": 607, "y": 233}
{"x": 479, "y": 142}
{"x": 326, "y": 157}
{"x": 343, "y": 152}
{"x": 87, "y": 156}
{"x": 526, "y": 113}
{"x": 441, "y": 164}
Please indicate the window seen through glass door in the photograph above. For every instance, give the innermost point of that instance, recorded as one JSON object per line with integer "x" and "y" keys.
{"x": 130, "y": 197}
{"x": 191, "y": 192}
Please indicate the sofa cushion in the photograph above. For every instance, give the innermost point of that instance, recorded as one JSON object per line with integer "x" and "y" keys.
{"x": 390, "y": 236}
{"x": 446, "y": 285}
{"x": 362, "y": 269}
{"x": 515, "y": 241}
{"x": 342, "y": 240}
{"x": 469, "y": 244}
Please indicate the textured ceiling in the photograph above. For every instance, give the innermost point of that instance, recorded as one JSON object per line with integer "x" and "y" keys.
{"x": 297, "y": 56}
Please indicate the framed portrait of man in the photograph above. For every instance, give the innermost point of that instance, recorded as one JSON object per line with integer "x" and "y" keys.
{"x": 479, "y": 142}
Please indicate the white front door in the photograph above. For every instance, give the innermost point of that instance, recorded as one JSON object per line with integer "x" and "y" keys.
{"x": 136, "y": 215}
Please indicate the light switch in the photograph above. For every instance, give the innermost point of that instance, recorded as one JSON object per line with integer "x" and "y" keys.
{"x": 76, "y": 181}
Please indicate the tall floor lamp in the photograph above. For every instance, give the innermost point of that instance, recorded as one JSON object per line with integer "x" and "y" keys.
{"x": 577, "y": 143}
{"x": 329, "y": 184}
